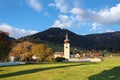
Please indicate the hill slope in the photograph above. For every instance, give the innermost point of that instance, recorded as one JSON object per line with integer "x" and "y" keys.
{"x": 109, "y": 41}
{"x": 56, "y": 36}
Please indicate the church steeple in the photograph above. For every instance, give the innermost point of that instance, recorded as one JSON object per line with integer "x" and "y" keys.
{"x": 66, "y": 39}
{"x": 67, "y": 47}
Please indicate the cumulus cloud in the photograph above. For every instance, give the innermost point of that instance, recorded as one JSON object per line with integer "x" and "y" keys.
{"x": 109, "y": 16}
{"x": 77, "y": 15}
{"x": 35, "y": 4}
{"x": 62, "y": 5}
{"x": 63, "y": 21}
{"x": 77, "y": 11}
{"x": 16, "y": 32}
{"x": 103, "y": 16}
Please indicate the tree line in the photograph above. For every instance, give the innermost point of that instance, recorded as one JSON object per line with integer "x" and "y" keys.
{"x": 28, "y": 51}
{"x": 23, "y": 51}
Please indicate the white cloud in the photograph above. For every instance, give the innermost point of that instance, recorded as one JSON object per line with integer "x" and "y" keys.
{"x": 62, "y": 6}
{"x": 51, "y": 5}
{"x": 35, "y": 4}
{"x": 96, "y": 26}
{"x": 63, "y": 22}
{"x": 16, "y": 32}
{"x": 77, "y": 11}
{"x": 78, "y": 14}
{"x": 109, "y": 16}
{"x": 103, "y": 16}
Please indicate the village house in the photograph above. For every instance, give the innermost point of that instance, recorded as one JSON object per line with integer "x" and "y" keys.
{"x": 58, "y": 54}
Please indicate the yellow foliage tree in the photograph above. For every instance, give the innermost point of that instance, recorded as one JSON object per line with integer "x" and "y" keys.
{"x": 42, "y": 52}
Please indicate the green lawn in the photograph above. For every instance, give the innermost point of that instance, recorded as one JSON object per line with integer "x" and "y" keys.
{"x": 109, "y": 69}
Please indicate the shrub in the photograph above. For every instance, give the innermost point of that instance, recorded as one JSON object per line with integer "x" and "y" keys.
{"x": 59, "y": 59}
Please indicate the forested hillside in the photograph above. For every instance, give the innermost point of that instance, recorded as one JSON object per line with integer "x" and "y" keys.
{"x": 105, "y": 41}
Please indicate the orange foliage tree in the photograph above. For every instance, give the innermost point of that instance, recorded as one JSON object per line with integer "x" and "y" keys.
{"x": 22, "y": 50}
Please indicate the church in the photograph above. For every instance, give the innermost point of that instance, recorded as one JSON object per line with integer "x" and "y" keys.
{"x": 66, "y": 53}
{"x": 67, "y": 47}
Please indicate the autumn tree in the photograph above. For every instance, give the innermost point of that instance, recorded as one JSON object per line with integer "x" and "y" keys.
{"x": 42, "y": 52}
{"x": 22, "y": 50}
{"x": 5, "y": 46}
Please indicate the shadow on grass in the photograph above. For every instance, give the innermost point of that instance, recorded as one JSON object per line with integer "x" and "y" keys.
{"x": 38, "y": 69}
{"x": 112, "y": 74}
{"x": 1, "y": 70}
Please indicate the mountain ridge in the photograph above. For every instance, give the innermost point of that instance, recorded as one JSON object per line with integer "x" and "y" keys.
{"x": 104, "y": 41}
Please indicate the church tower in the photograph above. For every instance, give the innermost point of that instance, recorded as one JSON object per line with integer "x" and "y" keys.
{"x": 67, "y": 47}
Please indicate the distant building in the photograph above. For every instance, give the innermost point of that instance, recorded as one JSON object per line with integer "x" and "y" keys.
{"x": 59, "y": 54}
{"x": 12, "y": 59}
{"x": 97, "y": 54}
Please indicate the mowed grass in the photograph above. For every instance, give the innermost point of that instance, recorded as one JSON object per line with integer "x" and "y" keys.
{"x": 109, "y": 69}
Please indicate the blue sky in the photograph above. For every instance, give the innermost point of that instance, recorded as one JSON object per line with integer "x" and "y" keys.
{"x": 26, "y": 17}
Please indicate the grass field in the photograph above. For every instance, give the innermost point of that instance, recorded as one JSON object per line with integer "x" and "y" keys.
{"x": 109, "y": 69}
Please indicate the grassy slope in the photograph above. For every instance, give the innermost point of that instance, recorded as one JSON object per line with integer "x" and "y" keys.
{"x": 109, "y": 69}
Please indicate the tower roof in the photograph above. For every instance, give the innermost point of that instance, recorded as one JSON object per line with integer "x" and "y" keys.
{"x": 66, "y": 39}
